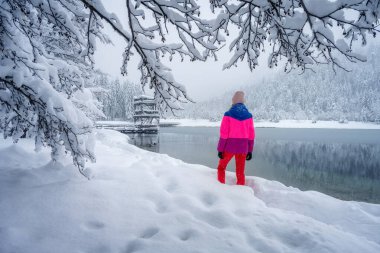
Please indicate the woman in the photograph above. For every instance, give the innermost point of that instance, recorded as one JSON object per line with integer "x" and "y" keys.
{"x": 237, "y": 135}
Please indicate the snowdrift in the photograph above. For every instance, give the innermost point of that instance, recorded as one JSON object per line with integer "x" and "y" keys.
{"x": 137, "y": 201}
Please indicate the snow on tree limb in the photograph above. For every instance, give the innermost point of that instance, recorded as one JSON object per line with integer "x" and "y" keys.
{"x": 299, "y": 31}
{"x": 46, "y": 56}
{"x": 303, "y": 32}
{"x": 197, "y": 37}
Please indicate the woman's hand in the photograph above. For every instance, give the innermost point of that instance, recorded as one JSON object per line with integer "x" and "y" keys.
{"x": 249, "y": 156}
{"x": 220, "y": 155}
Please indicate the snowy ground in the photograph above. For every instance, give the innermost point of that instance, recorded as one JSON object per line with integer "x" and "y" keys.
{"x": 139, "y": 201}
{"x": 281, "y": 124}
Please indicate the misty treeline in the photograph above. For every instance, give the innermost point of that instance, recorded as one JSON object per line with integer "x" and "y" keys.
{"x": 323, "y": 95}
{"x": 47, "y": 49}
{"x": 115, "y": 97}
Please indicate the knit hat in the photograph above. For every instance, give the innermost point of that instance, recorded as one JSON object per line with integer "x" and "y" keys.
{"x": 238, "y": 97}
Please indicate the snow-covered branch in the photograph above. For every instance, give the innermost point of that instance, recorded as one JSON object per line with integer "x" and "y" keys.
{"x": 46, "y": 55}
{"x": 300, "y": 32}
{"x": 149, "y": 24}
{"x": 297, "y": 32}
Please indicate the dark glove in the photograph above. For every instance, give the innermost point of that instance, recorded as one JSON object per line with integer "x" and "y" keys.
{"x": 220, "y": 154}
{"x": 249, "y": 156}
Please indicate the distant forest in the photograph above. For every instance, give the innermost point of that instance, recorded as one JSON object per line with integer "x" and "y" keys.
{"x": 114, "y": 98}
{"x": 324, "y": 95}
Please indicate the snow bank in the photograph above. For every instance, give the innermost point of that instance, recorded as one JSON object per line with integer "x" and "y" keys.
{"x": 281, "y": 124}
{"x": 139, "y": 201}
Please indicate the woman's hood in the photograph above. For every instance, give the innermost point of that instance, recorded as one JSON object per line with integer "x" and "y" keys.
{"x": 239, "y": 111}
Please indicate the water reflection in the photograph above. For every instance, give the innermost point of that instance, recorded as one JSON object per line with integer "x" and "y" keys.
{"x": 146, "y": 141}
{"x": 346, "y": 171}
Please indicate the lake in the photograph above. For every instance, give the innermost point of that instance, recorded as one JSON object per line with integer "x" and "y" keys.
{"x": 339, "y": 162}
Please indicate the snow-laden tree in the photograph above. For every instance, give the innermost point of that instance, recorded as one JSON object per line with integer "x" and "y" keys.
{"x": 146, "y": 35}
{"x": 118, "y": 100}
{"x": 46, "y": 54}
{"x": 114, "y": 97}
{"x": 297, "y": 32}
{"x": 301, "y": 32}
{"x": 47, "y": 45}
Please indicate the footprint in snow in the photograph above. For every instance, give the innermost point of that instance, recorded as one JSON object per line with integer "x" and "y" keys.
{"x": 160, "y": 203}
{"x": 161, "y": 207}
{"x": 94, "y": 225}
{"x": 208, "y": 199}
{"x": 242, "y": 213}
{"x": 134, "y": 246}
{"x": 217, "y": 218}
{"x": 149, "y": 232}
{"x": 171, "y": 186}
{"x": 99, "y": 249}
{"x": 187, "y": 234}
{"x": 157, "y": 174}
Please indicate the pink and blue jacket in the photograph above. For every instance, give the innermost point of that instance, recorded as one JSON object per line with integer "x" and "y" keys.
{"x": 237, "y": 132}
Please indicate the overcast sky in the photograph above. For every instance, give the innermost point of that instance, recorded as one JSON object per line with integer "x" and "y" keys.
{"x": 201, "y": 79}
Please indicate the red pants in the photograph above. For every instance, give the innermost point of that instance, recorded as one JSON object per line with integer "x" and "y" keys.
{"x": 240, "y": 165}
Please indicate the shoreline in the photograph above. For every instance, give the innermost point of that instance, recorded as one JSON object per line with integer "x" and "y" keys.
{"x": 258, "y": 124}
{"x": 280, "y": 124}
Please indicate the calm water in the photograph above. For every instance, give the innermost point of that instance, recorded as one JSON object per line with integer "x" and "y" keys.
{"x": 341, "y": 163}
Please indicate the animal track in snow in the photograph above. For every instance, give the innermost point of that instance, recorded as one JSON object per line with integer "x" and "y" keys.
{"x": 150, "y": 232}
